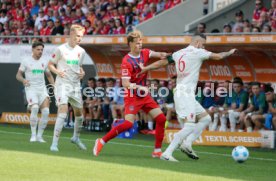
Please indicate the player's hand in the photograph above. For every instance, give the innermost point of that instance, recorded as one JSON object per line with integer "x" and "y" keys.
{"x": 26, "y": 83}
{"x": 61, "y": 74}
{"x": 232, "y": 51}
{"x": 81, "y": 74}
{"x": 164, "y": 55}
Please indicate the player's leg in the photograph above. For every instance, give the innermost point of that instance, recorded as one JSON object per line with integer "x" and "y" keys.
{"x": 248, "y": 123}
{"x": 215, "y": 122}
{"x": 160, "y": 120}
{"x": 78, "y": 126}
{"x": 178, "y": 138}
{"x": 234, "y": 119}
{"x": 203, "y": 120}
{"x": 258, "y": 121}
{"x": 242, "y": 121}
{"x": 115, "y": 131}
{"x": 32, "y": 99}
{"x": 61, "y": 116}
{"x": 34, "y": 121}
{"x": 223, "y": 122}
{"x": 44, "y": 108}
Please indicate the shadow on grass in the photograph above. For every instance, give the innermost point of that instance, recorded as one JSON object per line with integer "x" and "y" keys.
{"x": 137, "y": 152}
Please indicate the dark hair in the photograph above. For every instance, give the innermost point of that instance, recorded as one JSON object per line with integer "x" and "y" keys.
{"x": 256, "y": 84}
{"x": 92, "y": 79}
{"x": 238, "y": 82}
{"x": 102, "y": 80}
{"x": 268, "y": 88}
{"x": 37, "y": 43}
{"x": 110, "y": 79}
{"x": 203, "y": 24}
{"x": 156, "y": 80}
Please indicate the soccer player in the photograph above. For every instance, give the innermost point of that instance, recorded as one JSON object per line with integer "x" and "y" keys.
{"x": 187, "y": 63}
{"x": 34, "y": 68}
{"x": 137, "y": 97}
{"x": 239, "y": 104}
{"x": 68, "y": 58}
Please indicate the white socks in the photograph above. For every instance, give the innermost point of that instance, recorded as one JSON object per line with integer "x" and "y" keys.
{"x": 215, "y": 123}
{"x": 43, "y": 121}
{"x": 199, "y": 127}
{"x": 58, "y": 127}
{"x": 179, "y": 137}
{"x": 77, "y": 126}
{"x": 233, "y": 118}
{"x": 150, "y": 125}
{"x": 223, "y": 122}
{"x": 34, "y": 118}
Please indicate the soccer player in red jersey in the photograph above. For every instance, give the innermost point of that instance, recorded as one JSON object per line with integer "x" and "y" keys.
{"x": 137, "y": 96}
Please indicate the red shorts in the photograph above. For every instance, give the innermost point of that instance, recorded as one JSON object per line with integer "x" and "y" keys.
{"x": 134, "y": 104}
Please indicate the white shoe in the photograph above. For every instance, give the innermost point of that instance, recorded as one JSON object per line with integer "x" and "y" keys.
{"x": 40, "y": 140}
{"x": 189, "y": 151}
{"x": 33, "y": 138}
{"x": 78, "y": 142}
{"x": 54, "y": 148}
{"x": 168, "y": 158}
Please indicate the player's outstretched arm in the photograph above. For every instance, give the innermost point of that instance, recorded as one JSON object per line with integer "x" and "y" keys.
{"x": 82, "y": 73}
{"x": 222, "y": 55}
{"x": 160, "y": 55}
{"x": 156, "y": 65}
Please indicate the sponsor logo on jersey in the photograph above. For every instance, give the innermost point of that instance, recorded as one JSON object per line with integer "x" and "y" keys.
{"x": 124, "y": 72}
{"x": 37, "y": 71}
{"x": 72, "y": 62}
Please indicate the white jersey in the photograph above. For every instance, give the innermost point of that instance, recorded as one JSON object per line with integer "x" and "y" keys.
{"x": 69, "y": 60}
{"x": 187, "y": 63}
{"x": 34, "y": 71}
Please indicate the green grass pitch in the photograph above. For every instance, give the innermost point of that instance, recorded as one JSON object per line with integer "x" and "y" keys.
{"x": 121, "y": 160}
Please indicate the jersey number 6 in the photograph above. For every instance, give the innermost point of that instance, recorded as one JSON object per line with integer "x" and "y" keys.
{"x": 181, "y": 65}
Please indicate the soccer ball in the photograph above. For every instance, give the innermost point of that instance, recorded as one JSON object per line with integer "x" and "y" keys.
{"x": 240, "y": 154}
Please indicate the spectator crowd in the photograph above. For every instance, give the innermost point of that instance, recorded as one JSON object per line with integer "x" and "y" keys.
{"x": 54, "y": 17}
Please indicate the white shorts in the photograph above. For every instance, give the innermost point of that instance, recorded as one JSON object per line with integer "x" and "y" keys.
{"x": 68, "y": 93}
{"x": 36, "y": 95}
{"x": 187, "y": 108}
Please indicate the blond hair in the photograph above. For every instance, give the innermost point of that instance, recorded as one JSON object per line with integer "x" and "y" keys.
{"x": 133, "y": 35}
{"x": 76, "y": 27}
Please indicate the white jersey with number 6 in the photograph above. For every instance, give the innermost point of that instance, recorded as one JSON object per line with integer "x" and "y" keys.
{"x": 187, "y": 63}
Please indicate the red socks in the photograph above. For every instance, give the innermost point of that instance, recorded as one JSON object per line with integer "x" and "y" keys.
{"x": 117, "y": 130}
{"x": 159, "y": 129}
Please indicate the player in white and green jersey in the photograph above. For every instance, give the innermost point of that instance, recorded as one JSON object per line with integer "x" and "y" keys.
{"x": 68, "y": 59}
{"x": 187, "y": 63}
{"x": 34, "y": 68}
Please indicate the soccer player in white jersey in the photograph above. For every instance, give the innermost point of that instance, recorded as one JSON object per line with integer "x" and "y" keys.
{"x": 187, "y": 63}
{"x": 34, "y": 68}
{"x": 68, "y": 58}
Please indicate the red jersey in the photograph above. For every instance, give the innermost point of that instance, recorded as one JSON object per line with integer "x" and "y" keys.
{"x": 130, "y": 67}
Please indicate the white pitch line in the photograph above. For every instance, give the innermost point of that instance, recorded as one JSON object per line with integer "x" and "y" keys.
{"x": 143, "y": 146}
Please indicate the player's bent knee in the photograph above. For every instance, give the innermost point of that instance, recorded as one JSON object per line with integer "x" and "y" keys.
{"x": 35, "y": 108}
{"x": 206, "y": 119}
{"x": 45, "y": 111}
